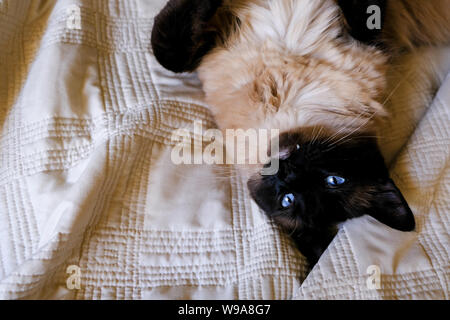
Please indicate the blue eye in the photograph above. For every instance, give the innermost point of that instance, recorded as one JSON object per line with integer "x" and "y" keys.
{"x": 334, "y": 181}
{"x": 288, "y": 200}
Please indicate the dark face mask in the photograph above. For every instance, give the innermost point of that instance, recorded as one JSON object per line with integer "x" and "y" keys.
{"x": 321, "y": 183}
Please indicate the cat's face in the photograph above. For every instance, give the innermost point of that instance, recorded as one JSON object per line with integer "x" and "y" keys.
{"x": 287, "y": 65}
{"x": 321, "y": 183}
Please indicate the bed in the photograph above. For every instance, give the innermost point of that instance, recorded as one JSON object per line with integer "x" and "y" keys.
{"x": 92, "y": 207}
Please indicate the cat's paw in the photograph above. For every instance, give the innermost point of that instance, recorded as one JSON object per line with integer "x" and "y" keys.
{"x": 181, "y": 35}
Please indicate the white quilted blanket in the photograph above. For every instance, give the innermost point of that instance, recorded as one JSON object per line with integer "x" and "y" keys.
{"x": 91, "y": 206}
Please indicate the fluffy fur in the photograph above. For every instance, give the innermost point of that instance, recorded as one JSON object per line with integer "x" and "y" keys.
{"x": 287, "y": 64}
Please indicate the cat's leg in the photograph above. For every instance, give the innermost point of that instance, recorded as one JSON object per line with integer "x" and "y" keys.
{"x": 358, "y": 13}
{"x": 181, "y": 35}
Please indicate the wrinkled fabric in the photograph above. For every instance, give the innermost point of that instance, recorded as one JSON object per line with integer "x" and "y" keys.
{"x": 87, "y": 182}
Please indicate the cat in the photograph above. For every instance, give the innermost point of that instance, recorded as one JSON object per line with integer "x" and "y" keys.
{"x": 313, "y": 70}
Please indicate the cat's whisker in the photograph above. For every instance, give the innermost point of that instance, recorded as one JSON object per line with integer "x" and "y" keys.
{"x": 355, "y": 119}
{"x": 403, "y": 79}
{"x": 336, "y": 143}
{"x": 336, "y": 134}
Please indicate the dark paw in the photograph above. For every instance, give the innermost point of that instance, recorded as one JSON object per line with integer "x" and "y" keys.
{"x": 181, "y": 35}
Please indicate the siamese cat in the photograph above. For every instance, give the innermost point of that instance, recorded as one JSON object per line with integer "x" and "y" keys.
{"x": 313, "y": 70}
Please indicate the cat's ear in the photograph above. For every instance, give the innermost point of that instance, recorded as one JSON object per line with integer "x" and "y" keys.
{"x": 181, "y": 35}
{"x": 364, "y": 18}
{"x": 390, "y": 208}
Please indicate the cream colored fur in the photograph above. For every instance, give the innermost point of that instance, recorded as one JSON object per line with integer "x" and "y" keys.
{"x": 289, "y": 64}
